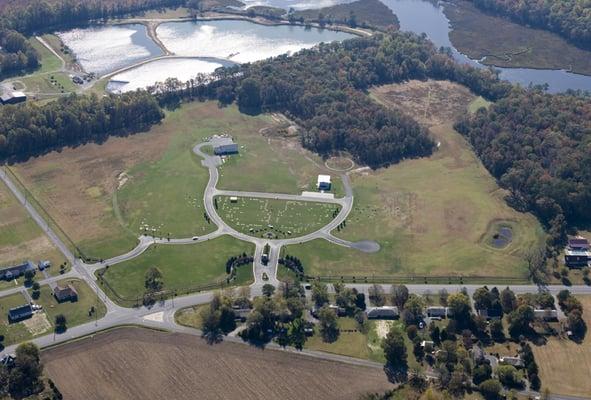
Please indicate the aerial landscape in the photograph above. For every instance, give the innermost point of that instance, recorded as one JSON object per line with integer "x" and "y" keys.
{"x": 328, "y": 199}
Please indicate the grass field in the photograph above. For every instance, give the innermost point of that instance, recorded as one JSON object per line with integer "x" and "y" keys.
{"x": 49, "y": 84}
{"x": 275, "y": 218}
{"x": 565, "y": 365}
{"x": 431, "y": 216}
{"x": 155, "y": 365}
{"x": 271, "y": 159}
{"x": 190, "y": 316}
{"x": 77, "y": 312}
{"x": 77, "y": 186}
{"x": 182, "y": 266}
{"x": 353, "y": 342}
{"x": 103, "y": 195}
{"x": 21, "y": 238}
{"x": 507, "y": 44}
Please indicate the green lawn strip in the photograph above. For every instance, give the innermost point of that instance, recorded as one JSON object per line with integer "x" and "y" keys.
{"x": 76, "y": 312}
{"x": 56, "y": 43}
{"x": 12, "y": 332}
{"x": 321, "y": 257}
{"x": 190, "y": 316}
{"x": 49, "y": 62}
{"x": 284, "y": 219}
{"x": 430, "y": 216}
{"x": 182, "y": 266}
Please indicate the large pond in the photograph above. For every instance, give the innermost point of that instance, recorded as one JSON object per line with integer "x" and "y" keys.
{"x": 150, "y": 73}
{"x": 295, "y": 4}
{"x": 240, "y": 41}
{"x": 423, "y": 16}
{"x": 104, "y": 49}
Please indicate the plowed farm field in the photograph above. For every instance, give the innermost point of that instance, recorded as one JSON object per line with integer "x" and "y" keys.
{"x": 133, "y": 363}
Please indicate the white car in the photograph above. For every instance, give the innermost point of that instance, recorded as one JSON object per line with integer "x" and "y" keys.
{"x": 195, "y": 238}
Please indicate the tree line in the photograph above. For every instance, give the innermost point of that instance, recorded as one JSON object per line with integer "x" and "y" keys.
{"x": 568, "y": 18}
{"x": 30, "y": 129}
{"x": 28, "y": 16}
{"x": 537, "y": 146}
{"x": 323, "y": 90}
{"x": 16, "y": 54}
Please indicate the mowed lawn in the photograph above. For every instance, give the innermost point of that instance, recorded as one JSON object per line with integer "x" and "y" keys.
{"x": 182, "y": 266}
{"x": 76, "y": 312}
{"x": 43, "y": 322}
{"x": 282, "y": 219}
{"x": 565, "y": 365}
{"x": 21, "y": 238}
{"x": 271, "y": 160}
{"x": 12, "y": 332}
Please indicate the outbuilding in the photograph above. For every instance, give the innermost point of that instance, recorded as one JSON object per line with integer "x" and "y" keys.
{"x": 13, "y": 98}
{"x": 323, "y": 182}
{"x": 226, "y": 149}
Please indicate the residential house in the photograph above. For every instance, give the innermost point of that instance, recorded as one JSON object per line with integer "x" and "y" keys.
{"x": 577, "y": 253}
{"x": 491, "y": 313}
{"x": 514, "y": 361}
{"x": 65, "y": 293}
{"x": 437, "y": 312}
{"x": 20, "y": 313}
{"x": 16, "y": 271}
{"x": 546, "y": 315}
{"x": 385, "y": 312}
{"x": 13, "y": 98}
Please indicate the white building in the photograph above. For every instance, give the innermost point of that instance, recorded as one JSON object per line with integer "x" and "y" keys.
{"x": 323, "y": 182}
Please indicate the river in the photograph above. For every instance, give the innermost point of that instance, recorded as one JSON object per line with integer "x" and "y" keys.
{"x": 422, "y": 16}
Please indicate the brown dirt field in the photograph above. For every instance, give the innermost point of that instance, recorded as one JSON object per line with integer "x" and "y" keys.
{"x": 565, "y": 365}
{"x": 429, "y": 102}
{"x": 134, "y": 363}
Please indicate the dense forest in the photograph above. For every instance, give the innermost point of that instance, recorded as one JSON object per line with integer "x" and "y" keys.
{"x": 323, "y": 89}
{"x": 29, "y": 129}
{"x": 539, "y": 147}
{"x": 364, "y": 13}
{"x": 28, "y": 16}
{"x": 17, "y": 54}
{"x": 568, "y": 18}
